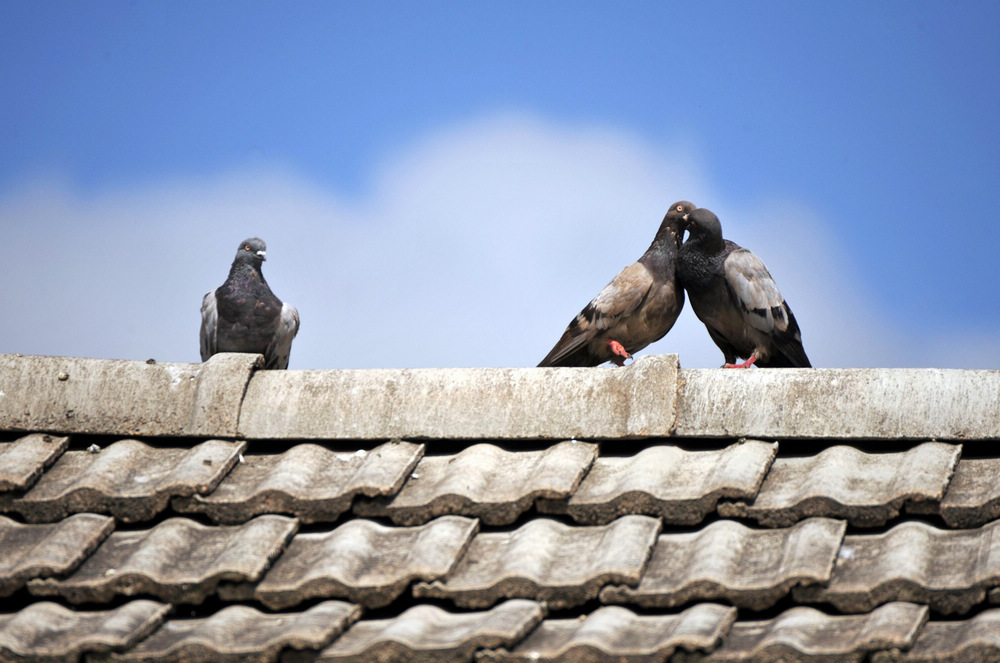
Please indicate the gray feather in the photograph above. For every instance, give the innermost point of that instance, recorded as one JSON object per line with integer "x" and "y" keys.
{"x": 209, "y": 325}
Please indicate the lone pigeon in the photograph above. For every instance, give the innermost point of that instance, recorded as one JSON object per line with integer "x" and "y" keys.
{"x": 732, "y": 292}
{"x": 638, "y": 307}
{"x": 243, "y": 315}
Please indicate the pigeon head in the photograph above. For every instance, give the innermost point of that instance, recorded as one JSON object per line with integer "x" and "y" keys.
{"x": 252, "y": 251}
{"x": 704, "y": 230}
{"x": 677, "y": 212}
{"x": 672, "y": 226}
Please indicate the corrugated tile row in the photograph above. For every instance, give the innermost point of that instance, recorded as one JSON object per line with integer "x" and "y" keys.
{"x": 428, "y": 633}
{"x": 134, "y": 482}
{"x": 726, "y": 560}
{"x": 39, "y": 551}
{"x": 678, "y": 486}
{"x": 308, "y": 481}
{"x": 515, "y": 630}
{"x": 182, "y": 561}
{"x": 614, "y": 634}
{"x": 841, "y": 482}
{"x": 807, "y": 634}
{"x": 243, "y": 635}
{"x": 179, "y": 561}
{"x": 626, "y": 561}
{"x": 466, "y": 483}
{"x": 128, "y": 479}
{"x": 361, "y": 561}
{"x": 22, "y": 461}
{"x": 949, "y": 570}
{"x": 50, "y": 632}
{"x": 973, "y": 497}
{"x": 544, "y": 560}
{"x": 972, "y": 640}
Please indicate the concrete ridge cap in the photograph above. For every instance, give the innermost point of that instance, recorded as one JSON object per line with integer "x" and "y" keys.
{"x": 463, "y": 403}
{"x": 652, "y": 397}
{"x": 124, "y": 397}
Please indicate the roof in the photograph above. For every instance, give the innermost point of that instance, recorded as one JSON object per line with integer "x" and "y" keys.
{"x": 161, "y": 511}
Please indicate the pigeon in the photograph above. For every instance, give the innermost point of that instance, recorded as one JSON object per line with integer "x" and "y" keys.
{"x": 732, "y": 292}
{"x": 243, "y": 315}
{"x": 638, "y": 307}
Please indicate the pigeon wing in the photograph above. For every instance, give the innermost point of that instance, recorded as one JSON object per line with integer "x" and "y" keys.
{"x": 755, "y": 292}
{"x": 763, "y": 307}
{"x": 619, "y": 299}
{"x": 280, "y": 347}
{"x": 209, "y": 325}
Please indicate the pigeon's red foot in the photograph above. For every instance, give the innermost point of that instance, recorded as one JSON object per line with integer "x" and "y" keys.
{"x": 620, "y": 354}
{"x": 747, "y": 364}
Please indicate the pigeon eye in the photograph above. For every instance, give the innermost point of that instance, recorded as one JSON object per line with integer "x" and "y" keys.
{"x": 246, "y": 247}
{"x": 680, "y": 208}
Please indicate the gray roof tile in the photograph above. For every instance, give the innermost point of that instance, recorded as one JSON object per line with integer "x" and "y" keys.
{"x": 307, "y": 481}
{"x": 807, "y": 634}
{"x": 37, "y": 551}
{"x": 668, "y": 482}
{"x": 749, "y": 568}
{"x": 617, "y": 635}
{"x": 839, "y": 403}
{"x": 49, "y": 632}
{"x": 179, "y": 561}
{"x": 973, "y": 497}
{"x": 364, "y": 562}
{"x": 950, "y": 570}
{"x": 466, "y": 483}
{"x": 113, "y": 397}
{"x": 841, "y": 482}
{"x": 607, "y": 543}
{"x": 128, "y": 479}
{"x": 243, "y": 635}
{"x": 22, "y": 461}
{"x": 545, "y": 560}
{"x": 975, "y": 640}
{"x": 464, "y": 403}
{"x": 427, "y": 633}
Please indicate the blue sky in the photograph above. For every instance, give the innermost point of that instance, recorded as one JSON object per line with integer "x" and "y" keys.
{"x": 447, "y": 184}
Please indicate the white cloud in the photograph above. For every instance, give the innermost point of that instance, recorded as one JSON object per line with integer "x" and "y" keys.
{"x": 473, "y": 247}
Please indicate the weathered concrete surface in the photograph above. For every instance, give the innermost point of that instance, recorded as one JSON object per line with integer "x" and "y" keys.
{"x": 839, "y": 403}
{"x": 107, "y": 396}
{"x": 470, "y": 403}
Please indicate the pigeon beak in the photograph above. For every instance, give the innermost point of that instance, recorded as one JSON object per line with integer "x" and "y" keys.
{"x": 262, "y": 254}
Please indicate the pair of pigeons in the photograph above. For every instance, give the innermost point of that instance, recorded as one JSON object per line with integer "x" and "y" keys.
{"x": 731, "y": 292}
{"x": 730, "y": 288}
